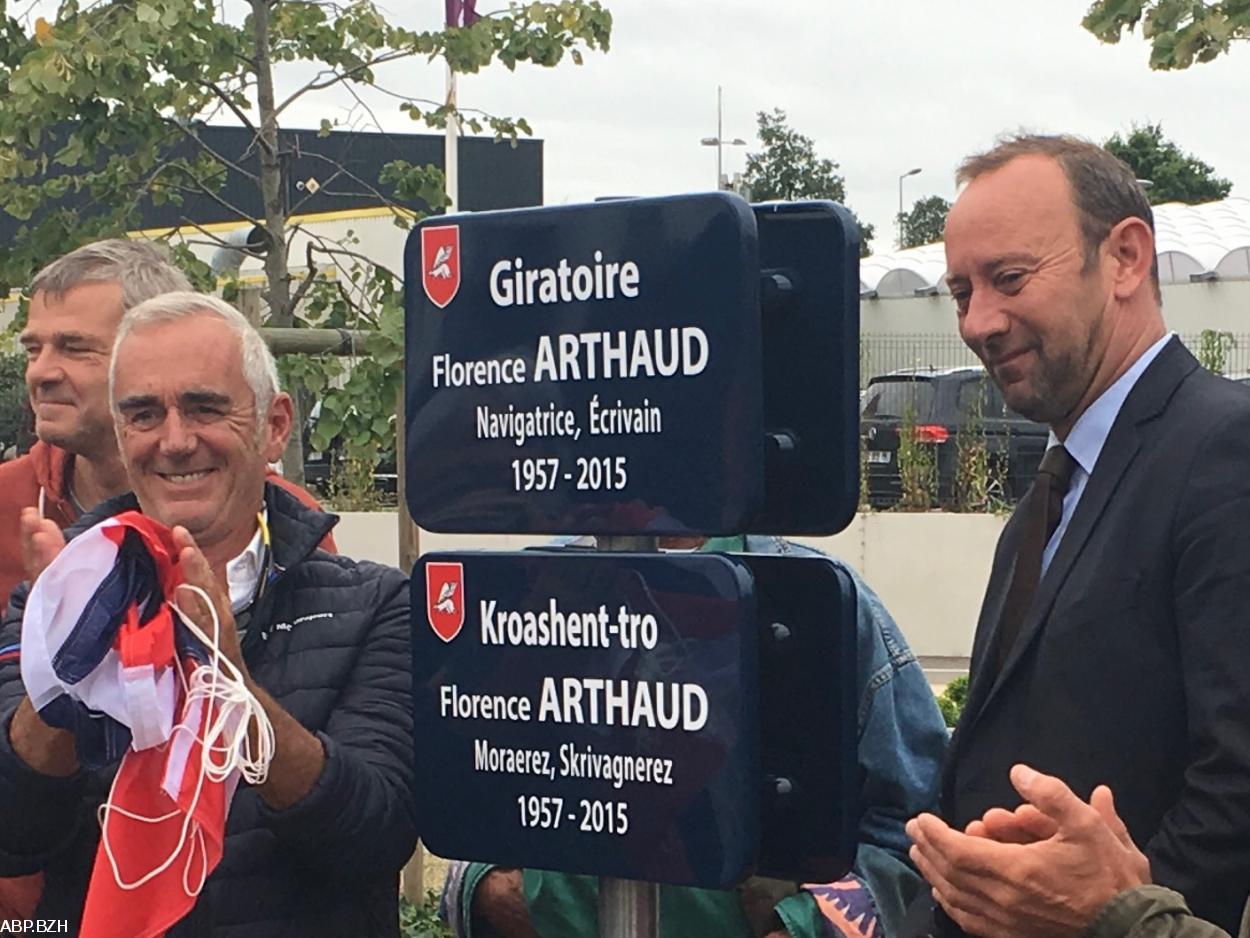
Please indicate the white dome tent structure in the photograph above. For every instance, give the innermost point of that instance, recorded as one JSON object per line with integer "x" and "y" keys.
{"x": 907, "y": 318}
{"x": 1195, "y": 243}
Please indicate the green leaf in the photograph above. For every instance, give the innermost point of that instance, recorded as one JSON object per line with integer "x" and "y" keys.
{"x": 146, "y": 13}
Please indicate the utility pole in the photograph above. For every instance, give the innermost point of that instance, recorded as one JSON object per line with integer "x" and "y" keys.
{"x": 910, "y": 172}
{"x": 720, "y": 142}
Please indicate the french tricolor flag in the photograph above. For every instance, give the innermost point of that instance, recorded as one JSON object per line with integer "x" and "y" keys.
{"x": 105, "y": 655}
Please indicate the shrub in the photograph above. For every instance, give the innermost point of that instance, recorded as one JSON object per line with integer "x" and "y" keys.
{"x": 917, "y": 467}
{"x": 951, "y": 700}
{"x": 422, "y": 921}
{"x": 14, "y": 413}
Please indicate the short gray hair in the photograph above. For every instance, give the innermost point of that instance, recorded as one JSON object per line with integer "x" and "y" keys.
{"x": 143, "y": 269}
{"x": 259, "y": 367}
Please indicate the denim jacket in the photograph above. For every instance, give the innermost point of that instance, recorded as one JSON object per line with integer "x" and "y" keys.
{"x": 902, "y": 738}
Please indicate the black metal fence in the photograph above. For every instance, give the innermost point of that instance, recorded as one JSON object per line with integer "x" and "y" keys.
{"x": 880, "y": 354}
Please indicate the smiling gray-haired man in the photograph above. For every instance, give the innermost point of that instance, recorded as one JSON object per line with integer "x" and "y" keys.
{"x": 322, "y": 643}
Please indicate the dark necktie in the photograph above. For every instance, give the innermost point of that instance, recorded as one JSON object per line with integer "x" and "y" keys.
{"x": 1039, "y": 512}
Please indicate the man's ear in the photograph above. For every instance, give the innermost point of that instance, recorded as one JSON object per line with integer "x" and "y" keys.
{"x": 278, "y": 424}
{"x": 1131, "y": 246}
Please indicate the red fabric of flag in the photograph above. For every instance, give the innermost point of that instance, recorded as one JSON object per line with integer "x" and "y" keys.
{"x": 185, "y": 835}
{"x": 163, "y": 825}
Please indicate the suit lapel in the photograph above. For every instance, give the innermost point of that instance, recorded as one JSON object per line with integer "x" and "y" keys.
{"x": 1005, "y": 555}
{"x": 1121, "y": 446}
{"x": 991, "y": 615}
{"x": 1146, "y": 401}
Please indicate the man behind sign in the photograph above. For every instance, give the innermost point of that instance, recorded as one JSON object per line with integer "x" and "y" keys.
{"x": 1111, "y": 647}
{"x": 322, "y": 643}
{"x": 76, "y": 303}
{"x": 901, "y": 741}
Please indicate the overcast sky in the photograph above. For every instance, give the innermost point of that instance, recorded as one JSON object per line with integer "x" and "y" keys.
{"x": 881, "y": 86}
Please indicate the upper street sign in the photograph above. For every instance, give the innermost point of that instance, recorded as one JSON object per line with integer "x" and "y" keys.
{"x": 586, "y": 369}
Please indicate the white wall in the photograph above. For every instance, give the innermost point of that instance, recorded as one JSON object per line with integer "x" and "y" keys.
{"x": 1187, "y": 307}
{"x": 374, "y": 535}
{"x": 930, "y": 569}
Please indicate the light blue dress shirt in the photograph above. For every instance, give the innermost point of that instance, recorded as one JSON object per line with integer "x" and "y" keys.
{"x": 1089, "y": 433}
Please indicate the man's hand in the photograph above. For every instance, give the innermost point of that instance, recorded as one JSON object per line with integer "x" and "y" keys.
{"x": 1025, "y": 825}
{"x": 1042, "y": 871}
{"x": 499, "y": 909}
{"x": 44, "y": 748}
{"x": 759, "y": 897}
{"x": 196, "y": 572}
{"x": 298, "y": 755}
{"x": 42, "y": 540}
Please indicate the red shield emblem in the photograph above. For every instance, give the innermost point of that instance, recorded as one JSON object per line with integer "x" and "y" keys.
{"x": 440, "y": 263}
{"x": 444, "y": 598}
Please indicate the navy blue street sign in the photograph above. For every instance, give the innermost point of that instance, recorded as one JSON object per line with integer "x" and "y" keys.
{"x": 809, "y": 255}
{"x": 809, "y": 696}
{"x": 589, "y": 713}
{"x": 684, "y": 719}
{"x": 586, "y": 369}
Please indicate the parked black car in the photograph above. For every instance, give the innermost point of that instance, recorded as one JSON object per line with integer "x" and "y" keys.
{"x": 937, "y": 403}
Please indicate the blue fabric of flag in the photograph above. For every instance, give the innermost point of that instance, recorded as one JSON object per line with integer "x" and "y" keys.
{"x": 99, "y": 739}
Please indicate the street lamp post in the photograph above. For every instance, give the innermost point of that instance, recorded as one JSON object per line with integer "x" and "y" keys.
{"x": 719, "y": 142}
{"x": 910, "y": 172}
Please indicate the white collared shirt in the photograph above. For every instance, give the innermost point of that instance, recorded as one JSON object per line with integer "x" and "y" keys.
{"x": 1088, "y": 436}
{"x": 244, "y": 571}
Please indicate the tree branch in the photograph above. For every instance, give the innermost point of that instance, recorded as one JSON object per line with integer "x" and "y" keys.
{"x": 337, "y": 77}
{"x": 225, "y": 99}
{"x": 213, "y": 240}
{"x": 202, "y": 189}
{"x": 300, "y": 204}
{"x": 308, "y": 281}
{"x": 336, "y": 250}
{"x": 372, "y": 190}
{"x": 199, "y": 141}
{"x": 139, "y": 189}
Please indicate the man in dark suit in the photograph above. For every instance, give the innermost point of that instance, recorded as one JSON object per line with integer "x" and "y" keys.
{"x": 1112, "y": 647}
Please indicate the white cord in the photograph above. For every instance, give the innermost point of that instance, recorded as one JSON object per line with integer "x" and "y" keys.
{"x": 229, "y": 736}
{"x": 225, "y": 747}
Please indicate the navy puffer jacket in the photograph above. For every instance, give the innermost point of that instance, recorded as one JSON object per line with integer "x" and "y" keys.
{"x": 329, "y": 640}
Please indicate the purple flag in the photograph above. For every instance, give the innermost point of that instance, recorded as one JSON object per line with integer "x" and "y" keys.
{"x": 461, "y": 12}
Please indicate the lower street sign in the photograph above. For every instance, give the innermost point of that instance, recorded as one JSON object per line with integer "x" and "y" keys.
{"x": 589, "y": 713}
{"x": 676, "y": 718}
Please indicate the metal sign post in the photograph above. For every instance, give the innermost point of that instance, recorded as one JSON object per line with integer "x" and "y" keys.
{"x": 628, "y": 908}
